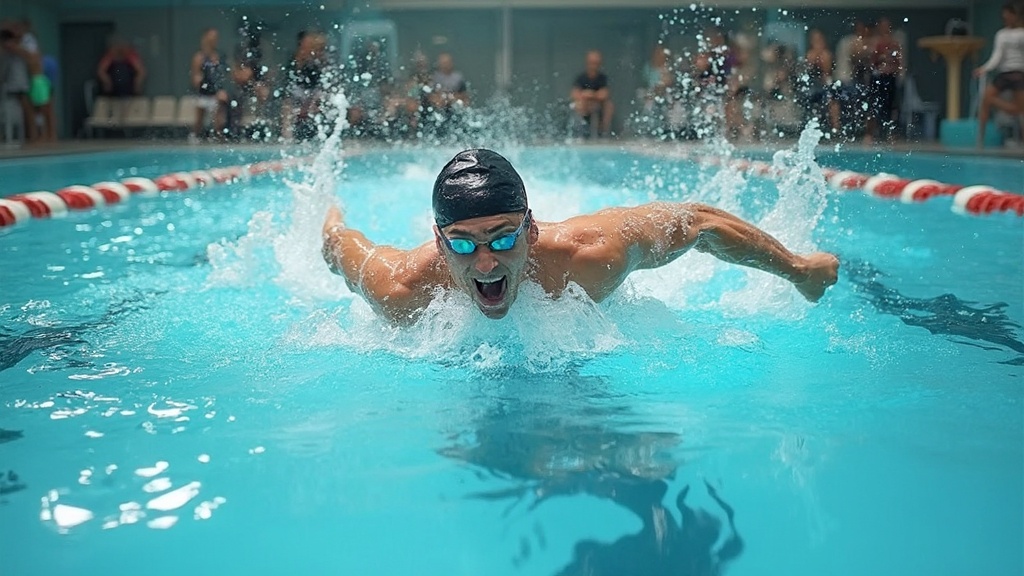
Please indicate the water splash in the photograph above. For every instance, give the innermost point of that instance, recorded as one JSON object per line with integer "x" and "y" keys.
{"x": 792, "y": 220}
{"x": 539, "y": 334}
{"x": 296, "y": 264}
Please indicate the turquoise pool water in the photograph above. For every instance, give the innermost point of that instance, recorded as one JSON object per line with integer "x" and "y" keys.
{"x": 184, "y": 369}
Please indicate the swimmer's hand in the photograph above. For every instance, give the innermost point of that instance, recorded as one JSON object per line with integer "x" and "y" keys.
{"x": 333, "y": 221}
{"x": 822, "y": 270}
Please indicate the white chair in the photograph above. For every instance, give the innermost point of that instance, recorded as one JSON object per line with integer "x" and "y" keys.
{"x": 186, "y": 111}
{"x": 165, "y": 112}
{"x": 137, "y": 112}
{"x": 913, "y": 105}
{"x": 101, "y": 117}
{"x": 11, "y": 116}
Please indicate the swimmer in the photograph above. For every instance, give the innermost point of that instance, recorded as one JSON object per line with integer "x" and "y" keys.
{"x": 487, "y": 243}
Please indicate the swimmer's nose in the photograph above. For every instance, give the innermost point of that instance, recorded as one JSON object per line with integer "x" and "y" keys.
{"x": 485, "y": 261}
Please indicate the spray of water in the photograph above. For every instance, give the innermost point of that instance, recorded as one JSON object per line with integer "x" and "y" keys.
{"x": 539, "y": 334}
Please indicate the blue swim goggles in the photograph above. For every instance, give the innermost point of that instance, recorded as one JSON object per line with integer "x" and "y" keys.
{"x": 465, "y": 246}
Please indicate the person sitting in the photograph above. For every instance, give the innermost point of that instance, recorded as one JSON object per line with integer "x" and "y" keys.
{"x": 120, "y": 71}
{"x": 487, "y": 244}
{"x": 816, "y": 80}
{"x": 887, "y": 62}
{"x": 590, "y": 95}
{"x": 210, "y": 80}
{"x": 449, "y": 86}
{"x": 1008, "y": 61}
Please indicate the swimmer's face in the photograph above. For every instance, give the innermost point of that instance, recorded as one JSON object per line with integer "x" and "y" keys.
{"x": 490, "y": 277}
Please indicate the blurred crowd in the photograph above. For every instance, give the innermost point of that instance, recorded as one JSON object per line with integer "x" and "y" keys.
{"x": 855, "y": 87}
{"x": 852, "y": 91}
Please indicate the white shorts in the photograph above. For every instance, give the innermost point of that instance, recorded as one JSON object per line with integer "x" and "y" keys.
{"x": 207, "y": 103}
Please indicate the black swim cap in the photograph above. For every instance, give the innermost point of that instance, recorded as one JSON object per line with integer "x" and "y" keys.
{"x": 477, "y": 183}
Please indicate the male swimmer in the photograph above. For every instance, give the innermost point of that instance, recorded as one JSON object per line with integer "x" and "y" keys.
{"x": 487, "y": 243}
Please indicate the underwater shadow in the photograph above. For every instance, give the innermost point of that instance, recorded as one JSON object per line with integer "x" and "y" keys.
{"x": 15, "y": 347}
{"x": 558, "y": 438}
{"x": 941, "y": 315}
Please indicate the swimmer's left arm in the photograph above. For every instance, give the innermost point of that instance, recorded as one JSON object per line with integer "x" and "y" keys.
{"x": 661, "y": 232}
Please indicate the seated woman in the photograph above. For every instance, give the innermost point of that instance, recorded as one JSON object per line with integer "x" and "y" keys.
{"x": 1008, "y": 61}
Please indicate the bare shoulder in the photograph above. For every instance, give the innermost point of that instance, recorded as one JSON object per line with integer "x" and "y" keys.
{"x": 402, "y": 282}
{"x": 588, "y": 250}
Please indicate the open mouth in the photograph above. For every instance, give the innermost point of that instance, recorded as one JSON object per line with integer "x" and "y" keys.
{"x": 492, "y": 293}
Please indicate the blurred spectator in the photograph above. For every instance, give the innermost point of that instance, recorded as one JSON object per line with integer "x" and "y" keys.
{"x": 210, "y": 80}
{"x": 304, "y": 90}
{"x": 404, "y": 106}
{"x": 27, "y": 82}
{"x": 23, "y": 29}
{"x": 449, "y": 86}
{"x": 738, "y": 93}
{"x": 590, "y": 95}
{"x": 16, "y": 78}
{"x": 887, "y": 62}
{"x": 816, "y": 81}
{"x": 252, "y": 89}
{"x": 1008, "y": 61}
{"x": 779, "y": 82}
{"x": 853, "y": 69}
{"x": 120, "y": 71}
{"x": 714, "y": 62}
{"x": 655, "y": 94}
{"x": 366, "y": 91}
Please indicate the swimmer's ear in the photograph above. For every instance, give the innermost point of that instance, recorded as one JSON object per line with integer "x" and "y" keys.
{"x": 437, "y": 239}
{"x": 534, "y": 232}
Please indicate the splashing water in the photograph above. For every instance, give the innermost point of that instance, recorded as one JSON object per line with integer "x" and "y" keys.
{"x": 299, "y": 268}
{"x": 539, "y": 334}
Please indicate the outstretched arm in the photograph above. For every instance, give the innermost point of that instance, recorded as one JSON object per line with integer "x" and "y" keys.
{"x": 397, "y": 283}
{"x": 656, "y": 234}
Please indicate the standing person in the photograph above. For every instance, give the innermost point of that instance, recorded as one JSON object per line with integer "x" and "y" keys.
{"x": 120, "y": 71}
{"x": 35, "y": 96}
{"x": 887, "y": 61}
{"x": 304, "y": 87}
{"x": 817, "y": 79}
{"x": 210, "y": 81}
{"x": 590, "y": 94}
{"x": 1008, "y": 61}
{"x": 853, "y": 70}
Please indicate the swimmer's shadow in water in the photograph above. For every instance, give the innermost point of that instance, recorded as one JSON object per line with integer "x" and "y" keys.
{"x": 555, "y": 442}
{"x": 65, "y": 342}
{"x": 942, "y": 315}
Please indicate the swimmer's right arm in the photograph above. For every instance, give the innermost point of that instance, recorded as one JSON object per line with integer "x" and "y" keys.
{"x": 393, "y": 281}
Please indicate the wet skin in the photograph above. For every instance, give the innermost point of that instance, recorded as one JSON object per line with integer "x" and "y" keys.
{"x": 595, "y": 251}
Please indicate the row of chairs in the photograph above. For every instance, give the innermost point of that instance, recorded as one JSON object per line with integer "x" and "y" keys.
{"x": 141, "y": 113}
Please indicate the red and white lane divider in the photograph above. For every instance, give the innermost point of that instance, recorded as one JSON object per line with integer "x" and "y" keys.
{"x": 972, "y": 200}
{"x": 33, "y": 205}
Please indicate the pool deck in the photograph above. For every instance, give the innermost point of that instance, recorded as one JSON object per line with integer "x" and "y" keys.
{"x": 87, "y": 146}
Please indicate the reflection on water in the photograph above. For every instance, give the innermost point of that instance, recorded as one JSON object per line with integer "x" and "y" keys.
{"x": 945, "y": 314}
{"x": 563, "y": 437}
{"x": 62, "y": 342}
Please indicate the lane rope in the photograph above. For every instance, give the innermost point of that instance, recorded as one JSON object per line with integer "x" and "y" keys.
{"x": 27, "y": 206}
{"x": 966, "y": 200}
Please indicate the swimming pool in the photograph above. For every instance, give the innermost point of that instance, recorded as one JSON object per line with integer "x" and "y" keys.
{"x": 184, "y": 369}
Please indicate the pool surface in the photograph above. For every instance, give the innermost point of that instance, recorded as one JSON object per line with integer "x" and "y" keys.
{"x": 185, "y": 389}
